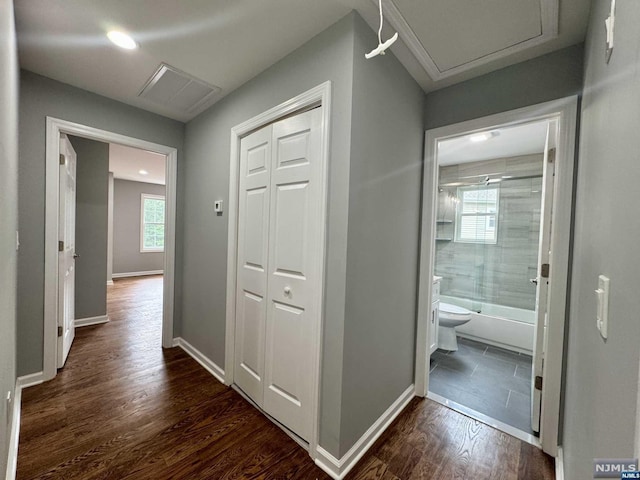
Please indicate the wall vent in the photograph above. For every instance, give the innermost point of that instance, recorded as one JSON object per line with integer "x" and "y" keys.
{"x": 176, "y": 89}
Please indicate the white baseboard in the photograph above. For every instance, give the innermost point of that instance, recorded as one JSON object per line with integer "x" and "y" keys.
{"x": 338, "y": 469}
{"x": 85, "y": 322}
{"x": 200, "y": 357}
{"x": 560, "y": 465}
{"x": 137, "y": 274}
{"x": 109, "y": 283}
{"x": 30, "y": 380}
{"x": 14, "y": 432}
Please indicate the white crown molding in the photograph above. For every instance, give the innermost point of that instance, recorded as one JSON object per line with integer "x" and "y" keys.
{"x": 549, "y": 24}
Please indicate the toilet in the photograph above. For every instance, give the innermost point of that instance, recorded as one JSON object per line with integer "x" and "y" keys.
{"x": 450, "y": 316}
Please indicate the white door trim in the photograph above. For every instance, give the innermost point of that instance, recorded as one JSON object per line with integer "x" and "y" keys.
{"x": 320, "y": 95}
{"x": 565, "y": 111}
{"x": 55, "y": 127}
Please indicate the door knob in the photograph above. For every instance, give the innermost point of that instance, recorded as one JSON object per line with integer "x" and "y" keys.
{"x": 75, "y": 255}
{"x": 534, "y": 280}
{"x": 287, "y": 290}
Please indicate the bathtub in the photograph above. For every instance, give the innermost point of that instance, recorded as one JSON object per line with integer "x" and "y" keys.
{"x": 506, "y": 327}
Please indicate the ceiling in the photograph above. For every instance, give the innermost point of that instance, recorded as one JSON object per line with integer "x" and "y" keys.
{"x": 126, "y": 163}
{"x": 225, "y": 43}
{"x": 526, "y": 139}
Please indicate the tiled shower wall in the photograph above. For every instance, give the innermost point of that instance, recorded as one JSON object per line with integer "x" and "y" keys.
{"x": 494, "y": 273}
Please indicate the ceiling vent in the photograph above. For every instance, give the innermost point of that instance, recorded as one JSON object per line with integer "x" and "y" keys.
{"x": 176, "y": 89}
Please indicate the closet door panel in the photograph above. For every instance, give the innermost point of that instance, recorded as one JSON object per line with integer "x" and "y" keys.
{"x": 293, "y": 274}
{"x": 253, "y": 238}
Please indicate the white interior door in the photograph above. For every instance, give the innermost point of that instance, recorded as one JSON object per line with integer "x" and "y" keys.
{"x": 66, "y": 249}
{"x": 543, "y": 277}
{"x": 253, "y": 238}
{"x": 294, "y": 249}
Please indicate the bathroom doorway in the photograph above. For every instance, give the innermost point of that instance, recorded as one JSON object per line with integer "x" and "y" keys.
{"x": 494, "y": 333}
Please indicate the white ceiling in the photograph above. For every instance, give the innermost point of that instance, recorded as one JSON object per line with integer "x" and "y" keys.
{"x": 526, "y": 139}
{"x": 126, "y": 163}
{"x": 226, "y": 43}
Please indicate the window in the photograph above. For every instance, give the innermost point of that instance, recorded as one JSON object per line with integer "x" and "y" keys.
{"x": 477, "y": 214}
{"x": 152, "y": 223}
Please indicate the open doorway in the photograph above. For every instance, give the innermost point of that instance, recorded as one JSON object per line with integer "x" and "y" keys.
{"x": 486, "y": 280}
{"x": 154, "y": 230}
{"x": 494, "y": 266}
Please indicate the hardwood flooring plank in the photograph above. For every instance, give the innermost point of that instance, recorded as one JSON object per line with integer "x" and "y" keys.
{"x": 125, "y": 409}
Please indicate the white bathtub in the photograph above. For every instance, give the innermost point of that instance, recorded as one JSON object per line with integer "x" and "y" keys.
{"x": 506, "y": 327}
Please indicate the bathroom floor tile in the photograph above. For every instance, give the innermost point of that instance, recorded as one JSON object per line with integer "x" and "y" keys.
{"x": 524, "y": 372}
{"x": 505, "y": 355}
{"x": 490, "y": 380}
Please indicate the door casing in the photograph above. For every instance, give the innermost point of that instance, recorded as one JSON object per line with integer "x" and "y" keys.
{"x": 320, "y": 95}
{"x": 565, "y": 112}
{"x": 55, "y": 127}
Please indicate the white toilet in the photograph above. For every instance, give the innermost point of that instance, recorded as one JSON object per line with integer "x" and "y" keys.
{"x": 450, "y": 316}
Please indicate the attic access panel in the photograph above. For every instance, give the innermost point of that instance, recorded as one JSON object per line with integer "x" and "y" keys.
{"x": 176, "y": 89}
{"x": 451, "y": 36}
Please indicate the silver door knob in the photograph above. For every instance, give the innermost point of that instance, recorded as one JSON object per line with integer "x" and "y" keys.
{"x": 287, "y": 290}
{"x": 75, "y": 255}
{"x": 534, "y": 280}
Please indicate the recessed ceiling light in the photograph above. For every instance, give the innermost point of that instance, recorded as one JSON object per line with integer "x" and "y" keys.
{"x": 143, "y": 172}
{"x": 483, "y": 137}
{"x": 122, "y": 40}
{"x": 480, "y": 137}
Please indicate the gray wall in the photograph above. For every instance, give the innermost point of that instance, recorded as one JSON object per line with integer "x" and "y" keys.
{"x": 205, "y": 178}
{"x": 126, "y": 228}
{"x": 92, "y": 181}
{"x": 41, "y": 97}
{"x": 8, "y": 218}
{"x": 549, "y": 77}
{"x": 493, "y": 273}
{"x": 602, "y": 376}
{"x": 383, "y": 241}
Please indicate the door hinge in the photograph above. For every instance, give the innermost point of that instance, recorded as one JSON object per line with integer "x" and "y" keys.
{"x": 544, "y": 270}
{"x": 59, "y": 331}
{"x": 538, "y": 383}
{"x": 551, "y": 156}
{"x": 61, "y": 246}
{"x": 62, "y": 159}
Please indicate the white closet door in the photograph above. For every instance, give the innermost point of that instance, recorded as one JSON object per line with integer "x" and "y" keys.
{"x": 253, "y": 236}
{"x": 294, "y": 250}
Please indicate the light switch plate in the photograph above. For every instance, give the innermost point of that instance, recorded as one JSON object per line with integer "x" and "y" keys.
{"x": 602, "y": 296}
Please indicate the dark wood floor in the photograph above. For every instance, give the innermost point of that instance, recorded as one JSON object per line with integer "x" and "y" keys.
{"x": 123, "y": 408}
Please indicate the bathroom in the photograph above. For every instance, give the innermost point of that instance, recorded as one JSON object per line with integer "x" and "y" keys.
{"x": 489, "y": 204}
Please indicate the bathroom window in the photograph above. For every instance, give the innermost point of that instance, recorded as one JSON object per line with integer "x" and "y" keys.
{"x": 477, "y": 214}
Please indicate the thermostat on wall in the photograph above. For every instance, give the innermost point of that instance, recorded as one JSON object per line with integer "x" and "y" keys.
{"x": 217, "y": 206}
